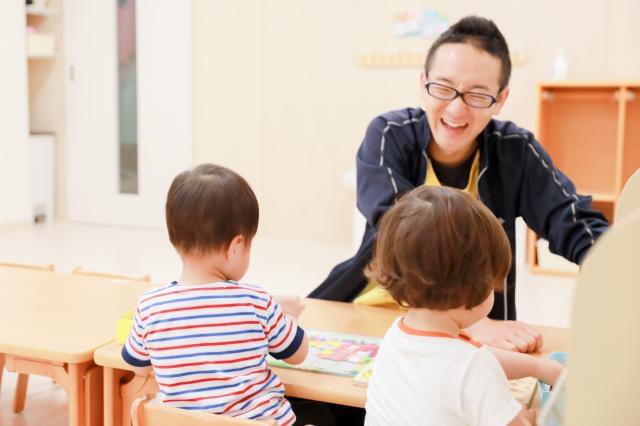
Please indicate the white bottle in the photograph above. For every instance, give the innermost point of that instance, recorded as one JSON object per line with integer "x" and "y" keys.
{"x": 559, "y": 71}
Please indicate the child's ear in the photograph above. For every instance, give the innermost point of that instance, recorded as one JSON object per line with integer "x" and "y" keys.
{"x": 235, "y": 245}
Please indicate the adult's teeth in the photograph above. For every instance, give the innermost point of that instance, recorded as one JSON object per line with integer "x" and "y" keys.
{"x": 450, "y": 124}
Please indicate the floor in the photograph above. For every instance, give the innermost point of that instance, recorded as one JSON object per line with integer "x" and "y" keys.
{"x": 279, "y": 265}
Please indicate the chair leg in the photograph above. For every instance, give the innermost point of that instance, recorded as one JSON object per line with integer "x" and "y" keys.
{"x": 21, "y": 392}
{"x": 1, "y": 368}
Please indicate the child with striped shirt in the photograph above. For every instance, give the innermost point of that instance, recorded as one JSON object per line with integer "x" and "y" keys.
{"x": 207, "y": 336}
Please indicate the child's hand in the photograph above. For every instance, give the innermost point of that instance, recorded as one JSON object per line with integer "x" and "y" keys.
{"x": 290, "y": 304}
{"x": 509, "y": 335}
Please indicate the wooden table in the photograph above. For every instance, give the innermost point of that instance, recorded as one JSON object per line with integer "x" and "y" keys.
{"x": 53, "y": 322}
{"x": 121, "y": 386}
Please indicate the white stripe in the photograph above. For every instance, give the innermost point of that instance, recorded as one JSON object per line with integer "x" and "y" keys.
{"x": 382, "y": 144}
{"x": 563, "y": 190}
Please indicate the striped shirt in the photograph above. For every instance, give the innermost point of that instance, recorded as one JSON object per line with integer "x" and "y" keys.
{"x": 208, "y": 344}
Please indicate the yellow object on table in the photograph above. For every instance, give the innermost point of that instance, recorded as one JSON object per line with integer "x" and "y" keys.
{"x": 123, "y": 327}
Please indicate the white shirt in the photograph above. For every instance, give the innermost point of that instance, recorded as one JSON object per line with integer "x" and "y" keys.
{"x": 430, "y": 378}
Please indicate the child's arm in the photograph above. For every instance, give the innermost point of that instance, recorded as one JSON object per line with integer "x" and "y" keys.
{"x": 300, "y": 355}
{"x": 517, "y": 365}
{"x": 509, "y": 335}
{"x": 525, "y": 417}
{"x": 141, "y": 371}
{"x": 287, "y": 341}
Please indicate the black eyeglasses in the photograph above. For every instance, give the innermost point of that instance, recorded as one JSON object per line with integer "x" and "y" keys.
{"x": 473, "y": 99}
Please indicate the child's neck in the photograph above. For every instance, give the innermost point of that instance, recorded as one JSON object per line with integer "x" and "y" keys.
{"x": 431, "y": 320}
{"x": 200, "y": 270}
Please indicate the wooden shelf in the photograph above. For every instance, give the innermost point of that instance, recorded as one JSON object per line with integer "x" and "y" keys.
{"x": 32, "y": 10}
{"x": 40, "y": 57}
{"x": 591, "y": 130}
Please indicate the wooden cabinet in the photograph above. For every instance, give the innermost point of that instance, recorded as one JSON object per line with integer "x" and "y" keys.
{"x": 591, "y": 130}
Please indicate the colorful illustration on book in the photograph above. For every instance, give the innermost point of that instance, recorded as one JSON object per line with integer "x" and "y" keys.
{"x": 336, "y": 353}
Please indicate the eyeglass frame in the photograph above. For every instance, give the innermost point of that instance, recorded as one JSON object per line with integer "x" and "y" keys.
{"x": 494, "y": 99}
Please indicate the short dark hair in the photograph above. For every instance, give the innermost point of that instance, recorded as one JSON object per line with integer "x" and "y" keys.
{"x": 440, "y": 248}
{"x": 207, "y": 206}
{"x": 483, "y": 34}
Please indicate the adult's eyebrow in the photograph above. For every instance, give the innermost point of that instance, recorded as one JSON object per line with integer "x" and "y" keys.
{"x": 471, "y": 88}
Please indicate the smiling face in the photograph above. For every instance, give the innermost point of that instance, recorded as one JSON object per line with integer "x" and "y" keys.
{"x": 455, "y": 125}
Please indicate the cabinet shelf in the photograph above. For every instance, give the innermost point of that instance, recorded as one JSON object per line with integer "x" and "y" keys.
{"x": 41, "y": 57}
{"x": 591, "y": 131}
{"x": 32, "y": 10}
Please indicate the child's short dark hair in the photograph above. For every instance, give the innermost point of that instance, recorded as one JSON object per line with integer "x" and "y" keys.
{"x": 483, "y": 34}
{"x": 439, "y": 248}
{"x": 207, "y": 206}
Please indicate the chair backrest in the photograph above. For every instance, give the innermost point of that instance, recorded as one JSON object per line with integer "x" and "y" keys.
{"x": 629, "y": 199}
{"x": 82, "y": 271}
{"x": 603, "y": 381}
{"x": 143, "y": 414}
{"x": 44, "y": 267}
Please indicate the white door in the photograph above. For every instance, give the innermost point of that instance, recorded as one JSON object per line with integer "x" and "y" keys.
{"x": 163, "y": 31}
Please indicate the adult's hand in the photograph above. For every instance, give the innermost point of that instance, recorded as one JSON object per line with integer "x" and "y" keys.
{"x": 509, "y": 335}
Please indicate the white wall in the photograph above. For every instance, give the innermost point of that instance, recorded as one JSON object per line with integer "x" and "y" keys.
{"x": 280, "y": 98}
{"x": 14, "y": 126}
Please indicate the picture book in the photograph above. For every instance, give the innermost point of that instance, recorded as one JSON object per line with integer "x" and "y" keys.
{"x": 336, "y": 353}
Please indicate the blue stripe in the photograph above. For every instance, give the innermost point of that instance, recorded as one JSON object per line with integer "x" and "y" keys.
{"x": 278, "y": 333}
{"x": 208, "y": 297}
{"x": 286, "y": 412}
{"x": 230, "y": 352}
{"x": 264, "y": 412}
{"x": 293, "y": 346}
{"x": 131, "y": 360}
{"x": 192, "y": 336}
{"x": 210, "y": 388}
{"x": 270, "y": 317}
{"x": 203, "y": 407}
{"x": 192, "y": 317}
{"x": 224, "y": 372}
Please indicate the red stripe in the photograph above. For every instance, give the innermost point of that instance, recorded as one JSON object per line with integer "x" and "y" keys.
{"x": 192, "y": 289}
{"x": 284, "y": 339}
{"x": 132, "y": 346}
{"x": 251, "y": 408}
{"x": 241, "y": 400}
{"x": 240, "y": 392}
{"x": 187, "y": 327}
{"x": 197, "y": 307}
{"x": 276, "y": 323}
{"x": 196, "y": 345}
{"x": 211, "y": 379}
{"x": 226, "y": 361}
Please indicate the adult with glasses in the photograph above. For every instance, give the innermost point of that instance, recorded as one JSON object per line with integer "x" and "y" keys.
{"x": 455, "y": 141}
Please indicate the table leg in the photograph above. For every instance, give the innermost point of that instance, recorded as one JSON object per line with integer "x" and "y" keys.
{"x": 75, "y": 392}
{"x": 112, "y": 398}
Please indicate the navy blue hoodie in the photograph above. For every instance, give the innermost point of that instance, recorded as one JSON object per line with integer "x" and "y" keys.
{"x": 516, "y": 178}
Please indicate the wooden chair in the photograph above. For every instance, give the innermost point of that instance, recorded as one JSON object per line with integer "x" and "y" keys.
{"x": 20, "y": 394}
{"x": 603, "y": 369}
{"x": 629, "y": 199}
{"x": 82, "y": 271}
{"x": 143, "y": 414}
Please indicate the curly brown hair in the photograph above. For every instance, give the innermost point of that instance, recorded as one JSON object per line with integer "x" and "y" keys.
{"x": 439, "y": 248}
{"x": 207, "y": 206}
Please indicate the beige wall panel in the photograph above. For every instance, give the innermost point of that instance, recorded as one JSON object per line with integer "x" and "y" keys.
{"x": 279, "y": 95}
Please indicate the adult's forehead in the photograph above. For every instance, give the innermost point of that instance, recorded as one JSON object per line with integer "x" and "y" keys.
{"x": 452, "y": 62}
